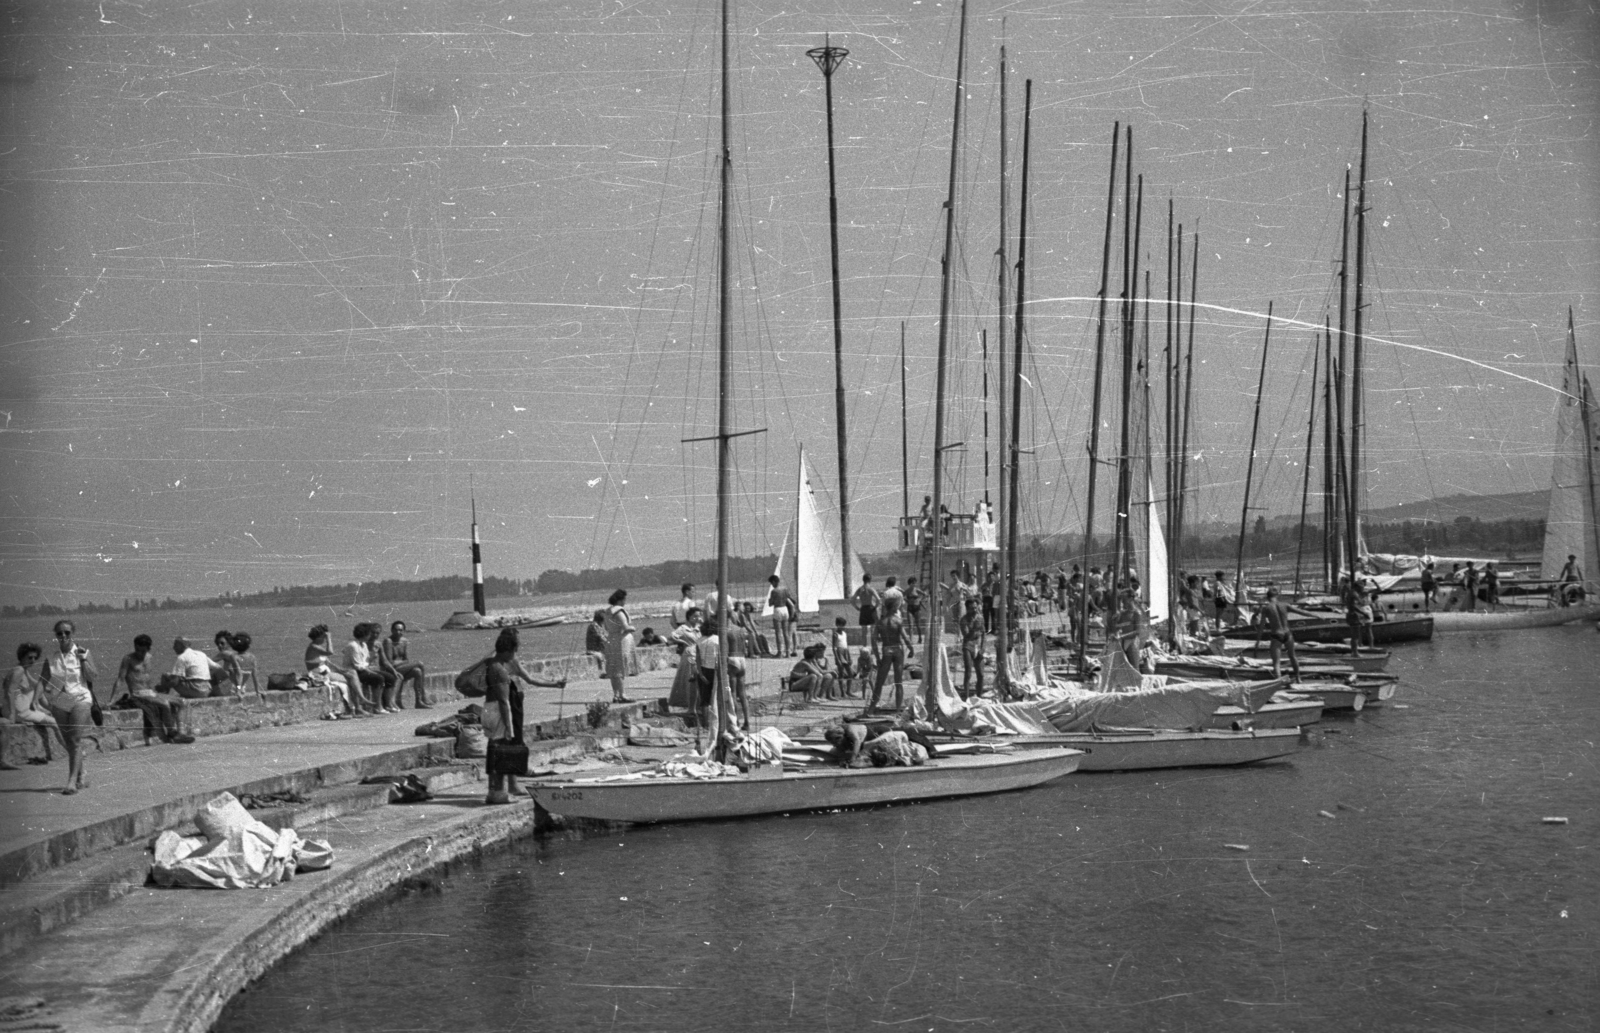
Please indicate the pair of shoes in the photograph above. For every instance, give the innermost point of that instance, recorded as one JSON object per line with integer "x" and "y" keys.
{"x": 69, "y": 791}
{"x": 181, "y": 740}
{"x": 39, "y": 760}
{"x": 500, "y": 796}
{"x": 424, "y": 706}
{"x": 622, "y": 699}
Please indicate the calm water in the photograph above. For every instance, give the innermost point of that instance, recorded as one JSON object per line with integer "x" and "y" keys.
{"x": 1433, "y": 899}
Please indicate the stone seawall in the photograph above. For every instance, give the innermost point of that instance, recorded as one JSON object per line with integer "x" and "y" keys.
{"x": 124, "y": 729}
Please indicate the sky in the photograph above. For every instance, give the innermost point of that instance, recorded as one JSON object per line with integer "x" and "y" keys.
{"x": 284, "y": 286}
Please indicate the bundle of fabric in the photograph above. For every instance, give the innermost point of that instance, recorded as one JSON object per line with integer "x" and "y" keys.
{"x": 234, "y": 851}
{"x": 974, "y": 716}
{"x": 1184, "y": 705}
{"x": 641, "y": 733}
{"x": 894, "y": 749}
{"x": 692, "y": 765}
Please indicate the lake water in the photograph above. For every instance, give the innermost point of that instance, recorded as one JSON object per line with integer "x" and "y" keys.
{"x": 1433, "y": 898}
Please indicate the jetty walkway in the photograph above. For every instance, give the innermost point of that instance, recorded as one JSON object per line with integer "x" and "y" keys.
{"x": 86, "y": 945}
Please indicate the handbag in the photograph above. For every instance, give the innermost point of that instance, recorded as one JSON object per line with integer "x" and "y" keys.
{"x": 96, "y": 714}
{"x": 507, "y": 758}
{"x": 474, "y": 681}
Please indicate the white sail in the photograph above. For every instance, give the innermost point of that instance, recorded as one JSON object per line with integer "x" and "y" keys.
{"x": 816, "y": 549}
{"x": 1569, "y": 523}
{"x": 1157, "y": 585}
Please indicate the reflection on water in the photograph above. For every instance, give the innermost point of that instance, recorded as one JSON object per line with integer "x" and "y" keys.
{"x": 1432, "y": 898}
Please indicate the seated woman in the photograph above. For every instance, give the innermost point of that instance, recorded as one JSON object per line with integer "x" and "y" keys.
{"x": 244, "y": 664}
{"x": 810, "y": 677}
{"x": 224, "y": 666}
{"x": 22, "y": 703}
{"x": 318, "y": 653}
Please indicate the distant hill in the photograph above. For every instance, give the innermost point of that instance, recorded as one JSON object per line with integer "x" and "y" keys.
{"x": 1520, "y": 505}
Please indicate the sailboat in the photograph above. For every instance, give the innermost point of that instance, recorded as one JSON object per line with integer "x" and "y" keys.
{"x": 1570, "y": 529}
{"x": 818, "y": 574}
{"x": 702, "y": 788}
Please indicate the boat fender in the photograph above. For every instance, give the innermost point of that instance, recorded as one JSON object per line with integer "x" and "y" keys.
{"x": 1327, "y": 814}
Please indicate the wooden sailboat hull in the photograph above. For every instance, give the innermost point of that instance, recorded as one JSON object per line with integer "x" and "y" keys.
{"x": 1145, "y": 750}
{"x": 1512, "y": 619}
{"x": 1369, "y": 660}
{"x": 468, "y": 620}
{"x": 651, "y": 800}
{"x": 1245, "y": 669}
{"x": 1384, "y": 633}
{"x": 1296, "y": 714}
{"x": 1335, "y": 696}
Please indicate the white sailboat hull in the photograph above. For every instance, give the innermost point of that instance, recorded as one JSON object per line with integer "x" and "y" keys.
{"x": 687, "y": 799}
{"x": 1146, "y": 750}
{"x": 1272, "y": 715}
{"x": 1505, "y": 620}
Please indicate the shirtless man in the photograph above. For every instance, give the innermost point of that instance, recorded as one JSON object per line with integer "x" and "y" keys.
{"x": 161, "y": 712}
{"x": 894, "y": 649}
{"x": 1273, "y": 620}
{"x": 395, "y": 652}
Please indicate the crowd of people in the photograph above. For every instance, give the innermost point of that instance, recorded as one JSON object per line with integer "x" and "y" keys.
{"x": 53, "y": 688}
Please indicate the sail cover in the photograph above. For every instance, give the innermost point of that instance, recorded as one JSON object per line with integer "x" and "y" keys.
{"x": 1157, "y": 586}
{"x": 816, "y": 549}
{"x": 1569, "y": 524}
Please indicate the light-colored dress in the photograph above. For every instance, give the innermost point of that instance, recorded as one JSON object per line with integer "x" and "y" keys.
{"x": 619, "y": 642}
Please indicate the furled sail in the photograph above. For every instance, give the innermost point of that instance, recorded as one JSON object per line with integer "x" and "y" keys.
{"x": 1569, "y": 528}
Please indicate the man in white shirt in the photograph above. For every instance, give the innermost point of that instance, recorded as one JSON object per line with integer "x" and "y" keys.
{"x": 355, "y": 663}
{"x": 191, "y": 671}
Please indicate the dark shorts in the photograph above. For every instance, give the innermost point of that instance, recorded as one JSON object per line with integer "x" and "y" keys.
{"x": 869, "y": 615}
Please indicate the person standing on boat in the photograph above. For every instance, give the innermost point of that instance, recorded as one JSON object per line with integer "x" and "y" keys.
{"x": 1273, "y": 618}
{"x": 619, "y": 643}
{"x": 1491, "y": 585}
{"x": 1571, "y": 581}
{"x": 681, "y": 608}
{"x": 785, "y": 614}
{"x": 1469, "y": 584}
{"x": 1223, "y": 594}
{"x": 914, "y": 600}
{"x": 866, "y": 599}
{"x": 894, "y": 649}
{"x": 972, "y": 636}
{"x": 1430, "y": 587}
{"x": 991, "y": 585}
{"x": 1358, "y": 615}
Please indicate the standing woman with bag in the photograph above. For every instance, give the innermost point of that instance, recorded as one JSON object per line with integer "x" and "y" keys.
{"x": 502, "y": 708}
{"x": 68, "y": 684}
{"x": 619, "y": 643}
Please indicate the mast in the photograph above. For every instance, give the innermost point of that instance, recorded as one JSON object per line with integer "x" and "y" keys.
{"x": 1168, "y": 440}
{"x": 828, "y": 58}
{"x": 1348, "y": 536}
{"x": 983, "y": 349}
{"x": 1124, "y": 548}
{"x": 1328, "y": 486}
{"x": 936, "y": 546}
{"x": 1357, "y": 418}
{"x": 1305, "y": 489}
{"x": 478, "y": 603}
{"x": 1250, "y": 465}
{"x": 1119, "y": 541}
{"x": 1188, "y": 382}
{"x": 905, "y": 461}
{"x": 1000, "y": 316}
{"x": 724, "y": 394}
{"x": 1094, "y": 426}
{"x": 1002, "y": 634}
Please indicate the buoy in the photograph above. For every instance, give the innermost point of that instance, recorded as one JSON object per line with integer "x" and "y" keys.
{"x": 1554, "y": 821}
